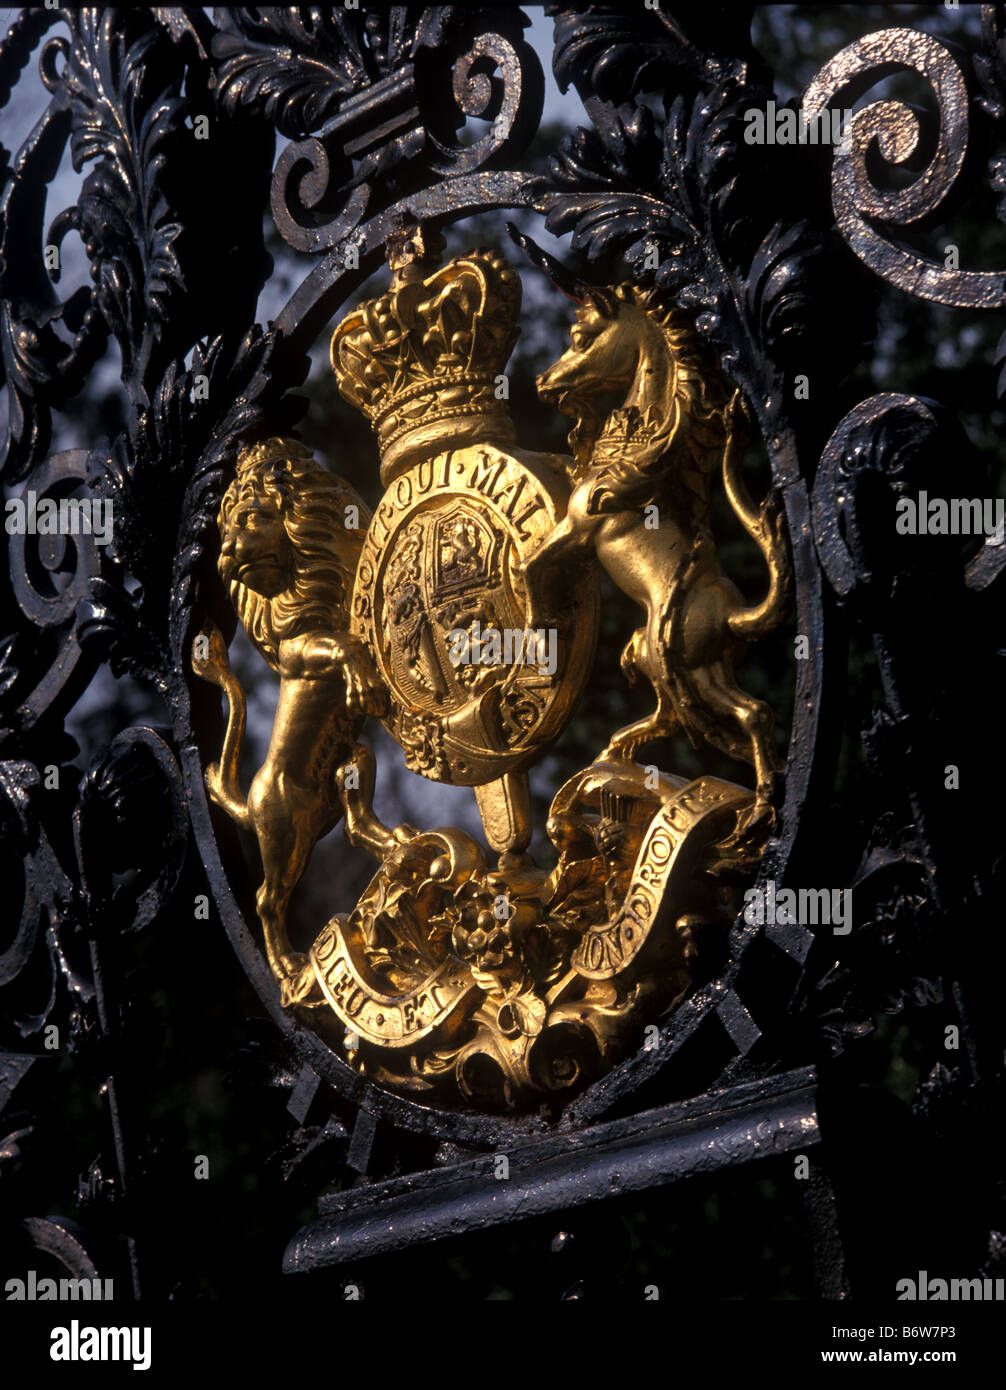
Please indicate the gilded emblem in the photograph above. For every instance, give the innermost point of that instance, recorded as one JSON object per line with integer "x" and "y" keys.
{"x": 464, "y": 614}
{"x": 446, "y": 549}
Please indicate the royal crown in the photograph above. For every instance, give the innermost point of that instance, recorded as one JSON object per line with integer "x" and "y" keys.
{"x": 625, "y": 430}
{"x": 424, "y": 360}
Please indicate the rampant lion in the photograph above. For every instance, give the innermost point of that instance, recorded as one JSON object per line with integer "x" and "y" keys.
{"x": 288, "y": 558}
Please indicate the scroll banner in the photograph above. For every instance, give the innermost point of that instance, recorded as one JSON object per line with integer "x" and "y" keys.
{"x": 391, "y": 1020}
{"x": 698, "y": 815}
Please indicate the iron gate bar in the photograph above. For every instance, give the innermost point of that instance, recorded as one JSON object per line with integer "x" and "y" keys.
{"x": 761, "y": 1119}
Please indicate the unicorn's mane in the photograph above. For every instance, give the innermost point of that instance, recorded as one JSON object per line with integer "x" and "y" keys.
{"x": 694, "y": 433}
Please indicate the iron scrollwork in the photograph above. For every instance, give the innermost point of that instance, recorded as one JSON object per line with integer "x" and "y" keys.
{"x": 625, "y": 975}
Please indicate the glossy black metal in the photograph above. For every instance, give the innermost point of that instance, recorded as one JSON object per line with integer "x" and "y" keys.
{"x": 558, "y": 1174}
{"x": 781, "y": 273}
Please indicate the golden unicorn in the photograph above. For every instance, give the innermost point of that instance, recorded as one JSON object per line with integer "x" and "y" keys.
{"x": 641, "y": 479}
{"x": 289, "y": 562}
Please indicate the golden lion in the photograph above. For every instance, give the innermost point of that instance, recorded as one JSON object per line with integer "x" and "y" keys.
{"x": 289, "y": 561}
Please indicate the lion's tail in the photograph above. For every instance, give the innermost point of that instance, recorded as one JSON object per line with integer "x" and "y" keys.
{"x": 765, "y": 526}
{"x": 222, "y": 778}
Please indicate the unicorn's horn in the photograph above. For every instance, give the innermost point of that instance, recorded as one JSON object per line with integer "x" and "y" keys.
{"x": 563, "y": 279}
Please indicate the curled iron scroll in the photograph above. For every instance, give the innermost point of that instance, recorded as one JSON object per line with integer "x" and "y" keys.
{"x": 317, "y": 199}
{"x": 897, "y": 131}
{"x": 498, "y": 79}
{"x": 887, "y": 447}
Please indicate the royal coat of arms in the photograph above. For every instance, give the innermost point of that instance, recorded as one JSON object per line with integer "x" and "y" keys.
{"x": 463, "y": 613}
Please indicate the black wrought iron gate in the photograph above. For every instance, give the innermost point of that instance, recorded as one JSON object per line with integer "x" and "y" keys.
{"x": 125, "y": 903}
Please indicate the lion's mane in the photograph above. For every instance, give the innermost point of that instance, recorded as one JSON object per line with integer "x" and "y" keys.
{"x": 312, "y": 503}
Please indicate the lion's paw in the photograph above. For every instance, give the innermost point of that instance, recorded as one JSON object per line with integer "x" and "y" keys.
{"x": 298, "y": 982}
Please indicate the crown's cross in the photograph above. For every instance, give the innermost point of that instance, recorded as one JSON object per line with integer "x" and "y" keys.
{"x": 413, "y": 250}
